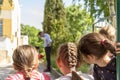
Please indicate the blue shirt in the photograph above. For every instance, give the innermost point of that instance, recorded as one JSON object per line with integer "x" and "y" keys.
{"x": 47, "y": 40}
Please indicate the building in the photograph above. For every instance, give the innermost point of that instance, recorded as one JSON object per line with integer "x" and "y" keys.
{"x": 9, "y": 28}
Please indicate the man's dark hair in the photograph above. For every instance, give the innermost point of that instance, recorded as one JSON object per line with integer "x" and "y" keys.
{"x": 40, "y": 33}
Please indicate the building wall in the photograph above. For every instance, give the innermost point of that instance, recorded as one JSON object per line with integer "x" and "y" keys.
{"x": 16, "y": 23}
{"x": 5, "y": 14}
{"x": 24, "y": 39}
{"x": 7, "y": 28}
{"x": 10, "y": 16}
{"x": 6, "y": 5}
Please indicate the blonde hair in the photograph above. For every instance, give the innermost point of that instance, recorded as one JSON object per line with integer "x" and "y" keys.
{"x": 108, "y": 32}
{"x": 24, "y": 58}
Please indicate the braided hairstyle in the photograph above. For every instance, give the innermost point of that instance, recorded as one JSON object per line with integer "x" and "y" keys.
{"x": 24, "y": 58}
{"x": 69, "y": 56}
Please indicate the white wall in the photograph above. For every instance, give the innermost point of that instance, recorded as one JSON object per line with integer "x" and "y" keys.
{"x": 5, "y": 44}
{"x": 24, "y": 40}
{"x": 16, "y": 23}
{"x": 5, "y": 14}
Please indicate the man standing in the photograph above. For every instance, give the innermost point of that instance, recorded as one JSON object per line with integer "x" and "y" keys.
{"x": 47, "y": 46}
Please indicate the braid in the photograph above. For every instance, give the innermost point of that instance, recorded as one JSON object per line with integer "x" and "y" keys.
{"x": 75, "y": 76}
{"x": 72, "y": 55}
{"x": 27, "y": 72}
{"x": 68, "y": 55}
{"x": 71, "y": 59}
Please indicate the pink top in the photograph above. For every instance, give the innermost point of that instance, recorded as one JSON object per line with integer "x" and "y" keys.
{"x": 35, "y": 75}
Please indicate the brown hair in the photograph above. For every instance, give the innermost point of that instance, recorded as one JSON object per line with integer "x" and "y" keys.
{"x": 109, "y": 32}
{"x": 96, "y": 44}
{"x": 39, "y": 33}
{"x": 24, "y": 58}
{"x": 69, "y": 56}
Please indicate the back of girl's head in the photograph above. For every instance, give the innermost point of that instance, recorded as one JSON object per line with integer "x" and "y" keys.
{"x": 109, "y": 32}
{"x": 24, "y": 58}
{"x": 96, "y": 44}
{"x": 68, "y": 55}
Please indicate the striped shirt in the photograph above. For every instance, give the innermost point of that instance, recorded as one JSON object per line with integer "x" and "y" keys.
{"x": 35, "y": 75}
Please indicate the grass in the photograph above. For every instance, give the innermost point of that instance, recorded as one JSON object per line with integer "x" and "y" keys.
{"x": 84, "y": 67}
{"x": 53, "y": 62}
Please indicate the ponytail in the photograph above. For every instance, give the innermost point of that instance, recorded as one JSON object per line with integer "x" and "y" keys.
{"x": 75, "y": 76}
{"x": 109, "y": 46}
{"x": 95, "y": 44}
{"x": 27, "y": 72}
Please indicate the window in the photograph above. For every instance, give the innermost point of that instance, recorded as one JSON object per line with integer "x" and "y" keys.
{"x": 1, "y": 28}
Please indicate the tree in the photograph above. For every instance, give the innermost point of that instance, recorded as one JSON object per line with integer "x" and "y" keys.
{"x": 112, "y": 7}
{"x": 55, "y": 22}
{"x": 32, "y": 35}
{"x": 79, "y": 21}
{"x": 101, "y": 7}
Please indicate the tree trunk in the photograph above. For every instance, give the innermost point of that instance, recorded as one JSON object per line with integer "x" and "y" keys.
{"x": 111, "y": 5}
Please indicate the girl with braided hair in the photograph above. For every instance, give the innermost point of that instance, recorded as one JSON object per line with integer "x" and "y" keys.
{"x": 95, "y": 49}
{"x": 68, "y": 60}
{"x": 25, "y": 61}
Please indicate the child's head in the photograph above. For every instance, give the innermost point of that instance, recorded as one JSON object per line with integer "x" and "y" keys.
{"x": 94, "y": 44}
{"x": 25, "y": 58}
{"x": 68, "y": 58}
{"x": 109, "y": 32}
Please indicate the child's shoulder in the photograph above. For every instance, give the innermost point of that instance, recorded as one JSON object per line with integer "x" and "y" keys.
{"x": 16, "y": 76}
{"x": 41, "y": 76}
{"x": 82, "y": 75}
{"x": 64, "y": 78}
{"x": 35, "y": 75}
{"x": 47, "y": 77}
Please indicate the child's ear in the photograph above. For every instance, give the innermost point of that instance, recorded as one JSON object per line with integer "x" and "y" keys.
{"x": 58, "y": 62}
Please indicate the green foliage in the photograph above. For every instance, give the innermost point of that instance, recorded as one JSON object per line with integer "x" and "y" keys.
{"x": 32, "y": 35}
{"x": 55, "y": 22}
{"x": 97, "y": 7}
{"x": 84, "y": 67}
{"x": 79, "y": 21}
{"x": 65, "y": 24}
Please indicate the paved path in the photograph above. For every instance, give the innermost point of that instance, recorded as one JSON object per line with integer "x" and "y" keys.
{"x": 6, "y": 70}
